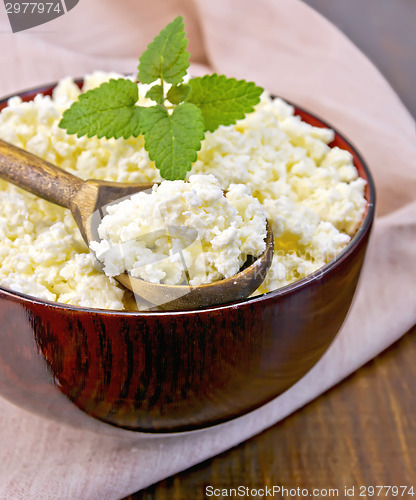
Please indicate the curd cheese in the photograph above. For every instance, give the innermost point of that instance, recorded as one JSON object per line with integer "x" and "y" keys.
{"x": 182, "y": 232}
{"x": 311, "y": 194}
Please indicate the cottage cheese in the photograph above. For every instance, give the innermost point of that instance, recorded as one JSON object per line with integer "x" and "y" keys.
{"x": 311, "y": 194}
{"x": 182, "y": 232}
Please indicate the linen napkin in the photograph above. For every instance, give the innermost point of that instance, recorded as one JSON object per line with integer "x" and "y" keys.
{"x": 294, "y": 52}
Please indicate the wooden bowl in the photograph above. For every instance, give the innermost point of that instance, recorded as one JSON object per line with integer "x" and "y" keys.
{"x": 162, "y": 372}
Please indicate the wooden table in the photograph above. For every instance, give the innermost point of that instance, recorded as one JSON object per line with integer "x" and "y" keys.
{"x": 361, "y": 433}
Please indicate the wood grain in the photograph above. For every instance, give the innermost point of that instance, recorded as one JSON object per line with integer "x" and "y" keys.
{"x": 360, "y": 433}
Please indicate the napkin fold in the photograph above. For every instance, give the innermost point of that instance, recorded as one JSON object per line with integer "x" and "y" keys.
{"x": 294, "y": 52}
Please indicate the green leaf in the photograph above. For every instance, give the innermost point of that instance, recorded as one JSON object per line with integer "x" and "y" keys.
{"x": 106, "y": 111}
{"x": 173, "y": 140}
{"x": 223, "y": 100}
{"x": 166, "y": 57}
{"x": 178, "y": 93}
{"x": 156, "y": 94}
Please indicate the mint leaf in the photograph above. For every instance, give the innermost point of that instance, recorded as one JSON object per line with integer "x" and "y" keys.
{"x": 106, "y": 111}
{"x": 166, "y": 57}
{"x": 172, "y": 140}
{"x": 223, "y": 100}
{"x": 178, "y": 93}
{"x": 156, "y": 94}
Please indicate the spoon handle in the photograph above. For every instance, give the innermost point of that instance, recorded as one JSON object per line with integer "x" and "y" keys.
{"x": 37, "y": 176}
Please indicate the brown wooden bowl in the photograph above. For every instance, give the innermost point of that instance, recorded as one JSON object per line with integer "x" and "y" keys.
{"x": 162, "y": 372}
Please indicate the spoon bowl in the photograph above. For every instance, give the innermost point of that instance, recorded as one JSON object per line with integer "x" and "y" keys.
{"x": 86, "y": 200}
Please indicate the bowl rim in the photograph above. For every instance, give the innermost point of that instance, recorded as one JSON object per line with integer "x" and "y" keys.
{"x": 280, "y": 292}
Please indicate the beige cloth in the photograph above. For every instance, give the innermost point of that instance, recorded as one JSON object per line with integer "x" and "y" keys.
{"x": 294, "y": 52}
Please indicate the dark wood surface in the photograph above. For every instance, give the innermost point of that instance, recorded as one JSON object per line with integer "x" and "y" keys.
{"x": 360, "y": 433}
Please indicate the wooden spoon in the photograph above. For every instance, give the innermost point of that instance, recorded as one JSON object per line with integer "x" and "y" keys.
{"x": 86, "y": 198}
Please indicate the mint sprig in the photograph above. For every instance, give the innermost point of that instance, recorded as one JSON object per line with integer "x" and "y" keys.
{"x": 174, "y": 126}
